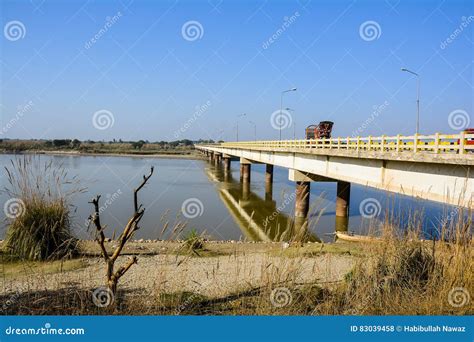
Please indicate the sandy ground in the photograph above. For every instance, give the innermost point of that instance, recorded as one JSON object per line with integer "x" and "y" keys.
{"x": 250, "y": 265}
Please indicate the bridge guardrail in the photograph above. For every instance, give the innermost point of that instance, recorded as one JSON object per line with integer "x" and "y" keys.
{"x": 438, "y": 143}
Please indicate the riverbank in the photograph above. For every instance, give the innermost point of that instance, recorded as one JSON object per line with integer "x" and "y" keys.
{"x": 166, "y": 269}
{"x": 178, "y": 155}
{"x": 241, "y": 278}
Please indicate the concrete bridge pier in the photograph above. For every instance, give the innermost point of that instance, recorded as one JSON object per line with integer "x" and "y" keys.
{"x": 342, "y": 205}
{"x": 211, "y": 157}
{"x": 302, "y": 199}
{"x": 226, "y": 160}
{"x": 303, "y": 182}
{"x": 217, "y": 159}
{"x": 245, "y": 168}
{"x": 268, "y": 182}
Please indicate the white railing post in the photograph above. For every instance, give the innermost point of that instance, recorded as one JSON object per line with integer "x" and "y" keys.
{"x": 370, "y": 143}
{"x": 436, "y": 143}
{"x": 461, "y": 143}
{"x": 382, "y": 144}
{"x": 415, "y": 143}
{"x": 398, "y": 143}
{"x": 358, "y": 144}
{"x": 348, "y": 142}
{"x": 338, "y": 143}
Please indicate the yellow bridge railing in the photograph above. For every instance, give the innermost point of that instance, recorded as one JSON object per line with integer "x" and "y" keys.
{"x": 438, "y": 143}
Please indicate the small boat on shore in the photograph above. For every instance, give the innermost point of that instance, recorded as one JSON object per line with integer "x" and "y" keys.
{"x": 348, "y": 236}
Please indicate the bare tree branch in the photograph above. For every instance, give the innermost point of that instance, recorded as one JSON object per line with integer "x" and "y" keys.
{"x": 112, "y": 277}
{"x": 135, "y": 192}
{"x": 100, "y": 231}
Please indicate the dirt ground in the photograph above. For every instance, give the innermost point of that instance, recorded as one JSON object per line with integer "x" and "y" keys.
{"x": 218, "y": 269}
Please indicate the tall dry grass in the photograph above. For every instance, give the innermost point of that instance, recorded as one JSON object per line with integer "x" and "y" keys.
{"x": 404, "y": 274}
{"x": 39, "y": 226}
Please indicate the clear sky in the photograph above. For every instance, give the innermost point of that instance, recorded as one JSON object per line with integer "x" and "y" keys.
{"x": 161, "y": 70}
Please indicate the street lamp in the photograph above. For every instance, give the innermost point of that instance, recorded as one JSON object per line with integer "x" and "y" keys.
{"x": 294, "y": 122}
{"x": 281, "y": 106}
{"x": 417, "y": 98}
{"x": 254, "y": 129}
{"x": 238, "y": 117}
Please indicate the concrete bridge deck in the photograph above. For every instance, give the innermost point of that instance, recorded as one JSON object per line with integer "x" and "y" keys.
{"x": 436, "y": 167}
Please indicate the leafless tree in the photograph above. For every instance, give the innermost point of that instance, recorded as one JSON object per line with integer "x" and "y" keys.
{"x": 112, "y": 276}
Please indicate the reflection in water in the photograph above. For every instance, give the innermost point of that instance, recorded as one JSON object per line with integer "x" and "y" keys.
{"x": 259, "y": 218}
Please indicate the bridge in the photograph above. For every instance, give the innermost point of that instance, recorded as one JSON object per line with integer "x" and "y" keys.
{"x": 431, "y": 167}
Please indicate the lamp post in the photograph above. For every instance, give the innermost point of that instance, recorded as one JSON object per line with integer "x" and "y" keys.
{"x": 417, "y": 98}
{"x": 281, "y": 106}
{"x": 238, "y": 117}
{"x": 254, "y": 129}
{"x": 294, "y": 122}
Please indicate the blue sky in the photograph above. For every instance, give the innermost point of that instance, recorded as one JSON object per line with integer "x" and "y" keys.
{"x": 158, "y": 83}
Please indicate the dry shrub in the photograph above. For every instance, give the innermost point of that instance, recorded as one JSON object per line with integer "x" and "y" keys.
{"x": 39, "y": 226}
{"x": 406, "y": 275}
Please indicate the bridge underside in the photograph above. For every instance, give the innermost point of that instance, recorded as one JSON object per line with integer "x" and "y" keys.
{"x": 451, "y": 183}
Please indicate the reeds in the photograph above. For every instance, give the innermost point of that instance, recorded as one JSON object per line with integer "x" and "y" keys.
{"x": 39, "y": 224}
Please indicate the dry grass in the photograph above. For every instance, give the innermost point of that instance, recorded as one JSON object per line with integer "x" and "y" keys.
{"x": 401, "y": 274}
{"x": 14, "y": 268}
{"x": 39, "y": 227}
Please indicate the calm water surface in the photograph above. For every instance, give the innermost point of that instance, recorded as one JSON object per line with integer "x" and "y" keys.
{"x": 216, "y": 203}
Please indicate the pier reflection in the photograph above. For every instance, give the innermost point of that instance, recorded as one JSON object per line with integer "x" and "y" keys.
{"x": 259, "y": 219}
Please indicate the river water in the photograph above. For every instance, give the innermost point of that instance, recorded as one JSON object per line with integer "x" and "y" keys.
{"x": 202, "y": 198}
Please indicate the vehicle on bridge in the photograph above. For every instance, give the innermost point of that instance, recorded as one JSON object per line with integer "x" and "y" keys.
{"x": 468, "y": 141}
{"x": 319, "y": 131}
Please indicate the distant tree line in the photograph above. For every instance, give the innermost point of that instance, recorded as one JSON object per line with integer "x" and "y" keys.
{"x": 91, "y": 145}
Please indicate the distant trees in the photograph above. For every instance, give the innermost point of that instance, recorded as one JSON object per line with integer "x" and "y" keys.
{"x": 92, "y": 146}
{"x": 61, "y": 142}
{"x": 137, "y": 145}
{"x": 75, "y": 143}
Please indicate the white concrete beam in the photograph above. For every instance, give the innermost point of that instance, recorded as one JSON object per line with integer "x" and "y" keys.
{"x": 298, "y": 176}
{"x": 441, "y": 182}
